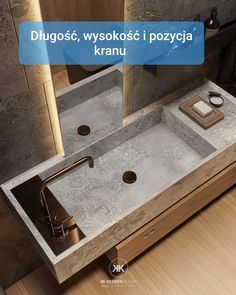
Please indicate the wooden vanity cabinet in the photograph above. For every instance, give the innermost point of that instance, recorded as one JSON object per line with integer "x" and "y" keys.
{"x": 163, "y": 224}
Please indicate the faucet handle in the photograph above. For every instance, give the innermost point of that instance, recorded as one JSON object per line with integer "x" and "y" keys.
{"x": 58, "y": 229}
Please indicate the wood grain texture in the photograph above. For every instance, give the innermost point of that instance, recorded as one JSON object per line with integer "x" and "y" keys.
{"x": 60, "y": 80}
{"x": 174, "y": 216}
{"x": 198, "y": 259}
{"x": 82, "y": 10}
{"x": 205, "y": 122}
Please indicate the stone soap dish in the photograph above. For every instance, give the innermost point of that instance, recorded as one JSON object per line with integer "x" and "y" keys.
{"x": 205, "y": 122}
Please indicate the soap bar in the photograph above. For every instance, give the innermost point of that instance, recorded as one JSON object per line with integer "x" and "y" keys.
{"x": 202, "y": 108}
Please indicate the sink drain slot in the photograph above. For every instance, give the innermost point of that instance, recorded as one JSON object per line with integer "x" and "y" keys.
{"x": 83, "y": 130}
{"x": 129, "y": 177}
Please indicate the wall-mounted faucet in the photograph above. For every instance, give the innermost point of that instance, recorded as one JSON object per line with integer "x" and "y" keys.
{"x": 57, "y": 226}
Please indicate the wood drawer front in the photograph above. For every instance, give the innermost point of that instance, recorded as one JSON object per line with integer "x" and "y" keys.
{"x": 150, "y": 233}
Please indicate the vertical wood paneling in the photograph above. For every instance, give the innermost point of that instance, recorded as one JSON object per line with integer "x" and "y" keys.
{"x": 82, "y": 10}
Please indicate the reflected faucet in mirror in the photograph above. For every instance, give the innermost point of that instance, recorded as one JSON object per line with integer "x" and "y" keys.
{"x": 57, "y": 227}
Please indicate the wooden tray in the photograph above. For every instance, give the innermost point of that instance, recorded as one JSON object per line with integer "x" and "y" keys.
{"x": 205, "y": 122}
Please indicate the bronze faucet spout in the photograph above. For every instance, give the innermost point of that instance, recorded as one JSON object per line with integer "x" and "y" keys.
{"x": 50, "y": 179}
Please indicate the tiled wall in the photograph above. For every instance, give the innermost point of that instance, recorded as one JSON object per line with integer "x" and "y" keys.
{"x": 25, "y": 133}
{"x": 141, "y": 87}
{"x": 26, "y": 137}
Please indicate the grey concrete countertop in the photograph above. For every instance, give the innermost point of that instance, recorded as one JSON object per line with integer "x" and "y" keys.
{"x": 96, "y": 102}
{"x": 171, "y": 156}
{"x": 223, "y": 133}
{"x": 96, "y": 197}
{"x": 102, "y": 113}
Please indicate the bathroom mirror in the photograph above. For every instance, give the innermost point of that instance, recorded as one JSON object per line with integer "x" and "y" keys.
{"x": 89, "y": 98}
{"x": 95, "y": 99}
{"x": 79, "y": 10}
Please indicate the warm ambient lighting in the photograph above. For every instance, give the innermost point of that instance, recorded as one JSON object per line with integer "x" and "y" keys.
{"x": 54, "y": 118}
{"x": 36, "y": 15}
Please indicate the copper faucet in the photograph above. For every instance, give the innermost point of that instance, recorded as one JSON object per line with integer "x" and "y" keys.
{"x": 57, "y": 227}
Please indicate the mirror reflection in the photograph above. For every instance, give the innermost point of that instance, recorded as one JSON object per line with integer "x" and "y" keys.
{"x": 89, "y": 98}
